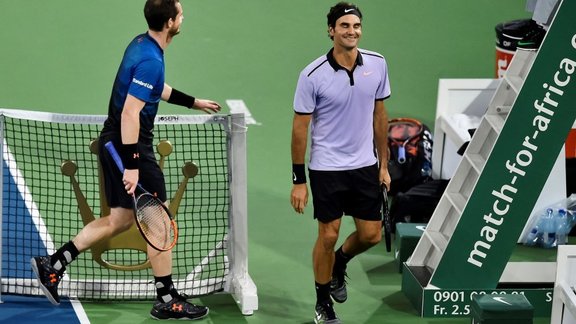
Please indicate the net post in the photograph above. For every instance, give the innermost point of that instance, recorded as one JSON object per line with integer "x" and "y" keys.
{"x": 1, "y": 195}
{"x": 239, "y": 283}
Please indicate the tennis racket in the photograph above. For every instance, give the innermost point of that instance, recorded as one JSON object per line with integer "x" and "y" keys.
{"x": 386, "y": 219}
{"x": 153, "y": 218}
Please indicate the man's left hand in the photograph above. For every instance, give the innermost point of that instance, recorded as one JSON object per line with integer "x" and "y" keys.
{"x": 207, "y": 106}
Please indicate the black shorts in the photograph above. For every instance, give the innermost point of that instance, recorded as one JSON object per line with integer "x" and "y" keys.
{"x": 356, "y": 193}
{"x": 150, "y": 175}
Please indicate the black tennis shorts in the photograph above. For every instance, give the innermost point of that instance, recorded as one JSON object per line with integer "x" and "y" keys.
{"x": 150, "y": 175}
{"x": 356, "y": 193}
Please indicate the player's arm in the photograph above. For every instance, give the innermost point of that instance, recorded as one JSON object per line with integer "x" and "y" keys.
{"x": 381, "y": 139}
{"x": 299, "y": 194}
{"x": 130, "y": 129}
{"x": 179, "y": 98}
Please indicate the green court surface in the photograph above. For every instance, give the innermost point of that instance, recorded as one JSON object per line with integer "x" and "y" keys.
{"x": 62, "y": 55}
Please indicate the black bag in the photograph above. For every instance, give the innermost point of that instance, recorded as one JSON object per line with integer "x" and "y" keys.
{"x": 570, "y": 176}
{"x": 410, "y": 161}
{"x": 417, "y": 204}
{"x": 571, "y": 183}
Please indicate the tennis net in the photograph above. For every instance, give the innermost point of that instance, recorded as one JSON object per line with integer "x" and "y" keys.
{"x": 51, "y": 188}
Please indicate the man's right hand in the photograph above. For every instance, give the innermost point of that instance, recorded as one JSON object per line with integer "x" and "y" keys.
{"x": 130, "y": 180}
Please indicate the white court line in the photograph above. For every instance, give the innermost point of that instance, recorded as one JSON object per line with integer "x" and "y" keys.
{"x": 25, "y": 192}
{"x": 218, "y": 249}
{"x": 79, "y": 310}
{"x": 27, "y": 196}
{"x": 238, "y": 106}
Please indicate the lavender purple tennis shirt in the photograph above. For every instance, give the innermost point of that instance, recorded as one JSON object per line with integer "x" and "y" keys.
{"x": 342, "y": 108}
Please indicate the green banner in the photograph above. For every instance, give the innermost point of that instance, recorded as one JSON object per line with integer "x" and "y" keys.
{"x": 519, "y": 165}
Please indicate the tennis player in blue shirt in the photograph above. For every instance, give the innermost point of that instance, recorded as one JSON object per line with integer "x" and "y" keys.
{"x": 340, "y": 96}
{"x": 138, "y": 88}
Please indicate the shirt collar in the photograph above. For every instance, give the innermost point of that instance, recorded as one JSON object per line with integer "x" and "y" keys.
{"x": 336, "y": 66}
{"x": 154, "y": 42}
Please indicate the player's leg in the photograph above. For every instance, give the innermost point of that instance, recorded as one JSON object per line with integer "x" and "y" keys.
{"x": 367, "y": 234}
{"x": 119, "y": 220}
{"x": 326, "y": 189}
{"x": 49, "y": 269}
{"x": 364, "y": 203}
{"x": 169, "y": 303}
{"x": 323, "y": 261}
{"x": 323, "y": 253}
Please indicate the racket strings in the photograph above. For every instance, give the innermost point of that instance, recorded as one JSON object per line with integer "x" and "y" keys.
{"x": 154, "y": 221}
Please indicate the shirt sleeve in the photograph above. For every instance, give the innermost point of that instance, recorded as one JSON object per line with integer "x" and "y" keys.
{"x": 304, "y": 97}
{"x": 144, "y": 79}
{"x": 383, "y": 90}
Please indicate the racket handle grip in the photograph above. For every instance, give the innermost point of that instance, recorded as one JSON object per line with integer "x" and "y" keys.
{"x": 115, "y": 156}
{"x": 401, "y": 154}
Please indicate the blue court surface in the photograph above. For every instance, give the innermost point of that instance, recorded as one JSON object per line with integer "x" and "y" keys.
{"x": 22, "y": 310}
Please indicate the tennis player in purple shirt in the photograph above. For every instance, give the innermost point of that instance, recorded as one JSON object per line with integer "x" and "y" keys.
{"x": 340, "y": 97}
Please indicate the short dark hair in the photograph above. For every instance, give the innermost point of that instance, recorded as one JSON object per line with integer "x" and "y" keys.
{"x": 339, "y": 10}
{"x": 158, "y": 12}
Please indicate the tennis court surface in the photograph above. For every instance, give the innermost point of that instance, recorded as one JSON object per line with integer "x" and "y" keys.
{"x": 62, "y": 58}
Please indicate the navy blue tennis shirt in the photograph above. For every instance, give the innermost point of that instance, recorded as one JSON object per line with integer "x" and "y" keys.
{"x": 342, "y": 107}
{"x": 141, "y": 74}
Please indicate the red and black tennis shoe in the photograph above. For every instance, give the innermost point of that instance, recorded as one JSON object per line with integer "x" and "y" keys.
{"x": 48, "y": 277}
{"x": 177, "y": 308}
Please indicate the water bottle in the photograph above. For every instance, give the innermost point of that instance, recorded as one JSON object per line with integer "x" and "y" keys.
{"x": 549, "y": 229}
{"x": 532, "y": 237}
{"x": 562, "y": 227}
{"x": 535, "y": 236}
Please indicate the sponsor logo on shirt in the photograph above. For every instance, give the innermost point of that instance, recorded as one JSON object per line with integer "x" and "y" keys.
{"x": 142, "y": 83}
